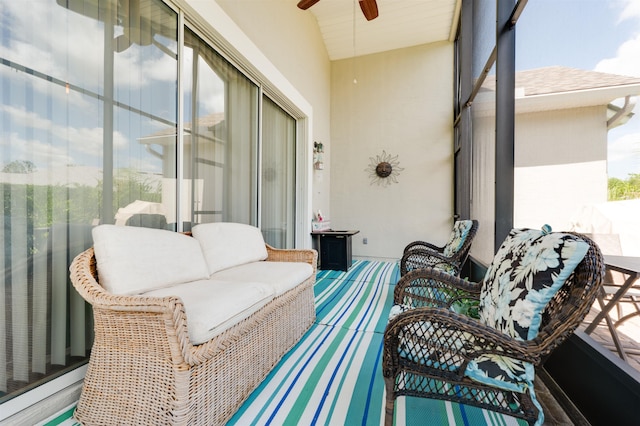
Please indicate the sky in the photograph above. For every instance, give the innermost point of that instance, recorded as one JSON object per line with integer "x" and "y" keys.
{"x": 594, "y": 35}
{"x": 599, "y": 35}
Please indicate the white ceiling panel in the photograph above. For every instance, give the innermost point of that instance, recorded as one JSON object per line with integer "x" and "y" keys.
{"x": 400, "y": 23}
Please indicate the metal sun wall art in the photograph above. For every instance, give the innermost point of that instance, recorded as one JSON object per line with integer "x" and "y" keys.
{"x": 384, "y": 169}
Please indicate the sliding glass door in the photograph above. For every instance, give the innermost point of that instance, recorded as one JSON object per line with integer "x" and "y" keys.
{"x": 277, "y": 218}
{"x": 99, "y": 126}
{"x": 82, "y": 84}
{"x": 220, "y": 138}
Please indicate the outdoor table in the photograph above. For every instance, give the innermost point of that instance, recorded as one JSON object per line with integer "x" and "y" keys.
{"x": 630, "y": 266}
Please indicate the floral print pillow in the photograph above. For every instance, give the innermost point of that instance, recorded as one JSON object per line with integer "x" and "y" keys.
{"x": 506, "y": 373}
{"x": 458, "y": 236}
{"x": 526, "y": 272}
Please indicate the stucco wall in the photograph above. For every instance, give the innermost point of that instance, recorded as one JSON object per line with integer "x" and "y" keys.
{"x": 560, "y": 165}
{"x": 560, "y": 159}
{"x": 401, "y": 104}
{"x": 291, "y": 40}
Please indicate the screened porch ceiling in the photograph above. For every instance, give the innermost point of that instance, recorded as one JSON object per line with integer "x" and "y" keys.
{"x": 400, "y": 23}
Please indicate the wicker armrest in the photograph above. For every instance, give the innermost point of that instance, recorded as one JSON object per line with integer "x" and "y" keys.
{"x": 441, "y": 339}
{"x": 83, "y": 275}
{"x": 423, "y": 245}
{"x": 162, "y": 316}
{"x": 435, "y": 288}
{"x": 420, "y": 258}
{"x": 309, "y": 256}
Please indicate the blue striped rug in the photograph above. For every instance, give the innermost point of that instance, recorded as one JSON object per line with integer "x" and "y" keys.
{"x": 333, "y": 375}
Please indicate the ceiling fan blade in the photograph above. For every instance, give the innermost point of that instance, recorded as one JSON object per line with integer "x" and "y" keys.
{"x": 369, "y": 9}
{"x": 306, "y": 4}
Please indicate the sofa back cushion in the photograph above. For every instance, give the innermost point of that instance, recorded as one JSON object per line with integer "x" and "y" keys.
{"x": 282, "y": 276}
{"x": 133, "y": 260}
{"x": 227, "y": 244}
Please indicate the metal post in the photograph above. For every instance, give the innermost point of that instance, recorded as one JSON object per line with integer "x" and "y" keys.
{"x": 505, "y": 116}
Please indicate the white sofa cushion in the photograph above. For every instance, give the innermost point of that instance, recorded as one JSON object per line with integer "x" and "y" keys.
{"x": 282, "y": 276}
{"x": 213, "y": 306}
{"x": 132, "y": 260}
{"x": 227, "y": 244}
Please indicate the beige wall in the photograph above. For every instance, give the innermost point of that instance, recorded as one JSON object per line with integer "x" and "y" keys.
{"x": 282, "y": 48}
{"x": 291, "y": 40}
{"x": 401, "y": 104}
{"x": 560, "y": 165}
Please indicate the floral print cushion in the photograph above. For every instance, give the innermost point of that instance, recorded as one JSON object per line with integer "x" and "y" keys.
{"x": 526, "y": 272}
{"x": 506, "y": 373}
{"x": 458, "y": 236}
{"x": 502, "y": 372}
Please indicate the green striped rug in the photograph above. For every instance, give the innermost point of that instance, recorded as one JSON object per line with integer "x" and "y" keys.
{"x": 333, "y": 375}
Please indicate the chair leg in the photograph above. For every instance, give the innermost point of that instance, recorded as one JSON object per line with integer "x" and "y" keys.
{"x": 390, "y": 401}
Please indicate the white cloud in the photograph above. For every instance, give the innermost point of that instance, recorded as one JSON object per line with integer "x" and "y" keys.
{"x": 36, "y": 151}
{"x": 627, "y": 57}
{"x": 67, "y": 144}
{"x": 61, "y": 54}
{"x": 68, "y": 46}
{"x": 630, "y": 10}
{"x": 626, "y": 61}
{"x": 623, "y": 154}
{"x": 619, "y": 148}
{"x": 74, "y": 51}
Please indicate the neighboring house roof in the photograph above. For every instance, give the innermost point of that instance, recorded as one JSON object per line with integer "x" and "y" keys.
{"x": 167, "y": 136}
{"x": 558, "y": 79}
{"x": 559, "y": 87}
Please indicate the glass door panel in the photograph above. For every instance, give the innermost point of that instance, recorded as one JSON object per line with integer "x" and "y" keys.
{"x": 220, "y": 138}
{"x": 277, "y": 219}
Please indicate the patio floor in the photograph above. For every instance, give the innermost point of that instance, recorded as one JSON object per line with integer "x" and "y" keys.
{"x": 628, "y": 332}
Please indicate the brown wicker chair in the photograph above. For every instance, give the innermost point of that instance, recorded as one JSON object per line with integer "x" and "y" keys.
{"x": 432, "y": 363}
{"x": 450, "y": 257}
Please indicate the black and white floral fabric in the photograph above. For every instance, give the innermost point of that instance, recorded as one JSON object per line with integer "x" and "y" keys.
{"x": 526, "y": 272}
{"x": 458, "y": 235}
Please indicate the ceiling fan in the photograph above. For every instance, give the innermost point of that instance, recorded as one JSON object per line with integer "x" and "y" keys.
{"x": 369, "y": 7}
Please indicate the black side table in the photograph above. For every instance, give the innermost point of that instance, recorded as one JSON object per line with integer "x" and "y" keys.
{"x": 334, "y": 249}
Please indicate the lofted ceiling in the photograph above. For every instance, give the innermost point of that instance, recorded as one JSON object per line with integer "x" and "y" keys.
{"x": 401, "y": 23}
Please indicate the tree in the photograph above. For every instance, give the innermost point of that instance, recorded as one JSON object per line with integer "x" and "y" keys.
{"x": 627, "y": 189}
{"x": 19, "y": 166}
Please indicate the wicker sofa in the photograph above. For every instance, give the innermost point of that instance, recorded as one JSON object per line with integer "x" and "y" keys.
{"x": 186, "y": 327}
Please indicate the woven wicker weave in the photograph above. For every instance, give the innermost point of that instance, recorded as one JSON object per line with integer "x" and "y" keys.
{"x": 436, "y": 368}
{"x": 422, "y": 254}
{"x": 143, "y": 369}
